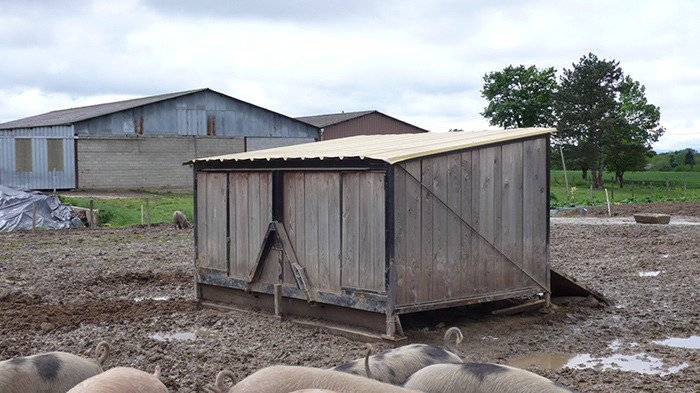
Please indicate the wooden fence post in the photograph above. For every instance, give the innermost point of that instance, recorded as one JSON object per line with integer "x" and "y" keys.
{"x": 33, "y": 216}
{"x": 91, "y": 220}
{"x": 632, "y": 184}
{"x": 684, "y": 184}
{"x": 148, "y": 212}
{"x": 591, "y": 188}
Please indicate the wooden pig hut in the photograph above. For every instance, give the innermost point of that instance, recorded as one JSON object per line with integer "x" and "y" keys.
{"x": 364, "y": 229}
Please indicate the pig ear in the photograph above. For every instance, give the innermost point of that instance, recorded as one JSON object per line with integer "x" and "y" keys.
{"x": 157, "y": 372}
{"x": 220, "y": 379}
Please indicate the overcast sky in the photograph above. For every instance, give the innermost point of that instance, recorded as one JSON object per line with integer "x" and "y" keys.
{"x": 420, "y": 61}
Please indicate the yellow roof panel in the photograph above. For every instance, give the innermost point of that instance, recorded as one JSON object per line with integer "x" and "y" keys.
{"x": 389, "y": 148}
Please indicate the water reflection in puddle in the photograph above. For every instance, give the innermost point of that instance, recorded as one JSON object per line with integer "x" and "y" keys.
{"x": 692, "y": 342}
{"x": 159, "y": 298}
{"x": 649, "y": 274}
{"x": 640, "y": 363}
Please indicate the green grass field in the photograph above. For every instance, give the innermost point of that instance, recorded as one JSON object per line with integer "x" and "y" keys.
{"x": 639, "y": 187}
{"x": 125, "y": 212}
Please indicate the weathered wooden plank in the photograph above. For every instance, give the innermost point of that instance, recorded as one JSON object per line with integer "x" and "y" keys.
{"x": 454, "y": 227}
{"x": 467, "y": 278}
{"x": 334, "y": 225}
{"x": 440, "y": 215}
{"x": 512, "y": 211}
{"x": 253, "y": 217}
{"x": 232, "y": 222}
{"x": 477, "y": 268}
{"x": 300, "y": 229}
{"x": 202, "y": 213}
{"x": 324, "y": 279}
{"x": 378, "y": 219}
{"x": 414, "y": 230}
{"x": 498, "y": 261}
{"x": 366, "y": 232}
{"x": 400, "y": 214}
{"x": 289, "y": 220}
{"x": 310, "y": 263}
{"x": 541, "y": 265}
{"x": 350, "y": 240}
{"x": 486, "y": 224}
{"x": 426, "y": 270}
{"x": 271, "y": 271}
{"x": 529, "y": 186}
{"x": 217, "y": 230}
{"x": 240, "y": 268}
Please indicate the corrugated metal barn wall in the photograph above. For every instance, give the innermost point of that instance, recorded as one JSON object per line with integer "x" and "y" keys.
{"x": 204, "y": 113}
{"x": 372, "y": 124}
{"x": 47, "y": 159}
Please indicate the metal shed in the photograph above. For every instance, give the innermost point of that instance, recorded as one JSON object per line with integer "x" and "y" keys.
{"x": 364, "y": 229}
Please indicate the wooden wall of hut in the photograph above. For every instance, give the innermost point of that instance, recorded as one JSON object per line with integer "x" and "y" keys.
{"x": 471, "y": 223}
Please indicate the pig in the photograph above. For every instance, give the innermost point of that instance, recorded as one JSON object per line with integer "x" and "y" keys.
{"x": 480, "y": 378}
{"x": 53, "y": 372}
{"x": 180, "y": 220}
{"x": 122, "y": 380}
{"x": 284, "y": 379}
{"x": 396, "y": 365}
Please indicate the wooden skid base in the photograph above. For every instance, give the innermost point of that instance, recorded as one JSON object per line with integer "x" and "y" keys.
{"x": 359, "y": 324}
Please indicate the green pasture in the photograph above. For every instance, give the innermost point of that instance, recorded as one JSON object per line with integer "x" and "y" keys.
{"x": 639, "y": 187}
{"x": 123, "y": 212}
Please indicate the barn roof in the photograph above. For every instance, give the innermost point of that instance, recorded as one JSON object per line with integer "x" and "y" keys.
{"x": 321, "y": 121}
{"x": 388, "y": 148}
{"x": 332, "y": 119}
{"x": 73, "y": 115}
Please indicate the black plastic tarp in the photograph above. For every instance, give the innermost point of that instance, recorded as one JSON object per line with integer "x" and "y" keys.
{"x": 16, "y": 210}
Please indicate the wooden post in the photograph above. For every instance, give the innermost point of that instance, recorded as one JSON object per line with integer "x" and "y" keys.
{"x": 608, "y": 200}
{"x": 684, "y": 184}
{"x": 33, "y": 216}
{"x": 148, "y": 212}
{"x": 142, "y": 214}
{"x": 591, "y": 188}
{"x": 612, "y": 191}
{"x": 632, "y": 184}
{"x": 91, "y": 220}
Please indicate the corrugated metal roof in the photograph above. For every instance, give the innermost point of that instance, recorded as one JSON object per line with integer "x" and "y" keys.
{"x": 389, "y": 148}
{"x": 321, "y": 121}
{"x": 73, "y": 115}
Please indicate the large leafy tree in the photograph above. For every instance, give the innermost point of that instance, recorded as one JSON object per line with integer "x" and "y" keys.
{"x": 587, "y": 109}
{"x": 638, "y": 127}
{"x": 520, "y": 97}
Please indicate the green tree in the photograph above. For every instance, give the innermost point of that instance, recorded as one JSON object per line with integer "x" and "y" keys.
{"x": 637, "y": 128}
{"x": 586, "y": 107}
{"x": 689, "y": 158}
{"x": 520, "y": 97}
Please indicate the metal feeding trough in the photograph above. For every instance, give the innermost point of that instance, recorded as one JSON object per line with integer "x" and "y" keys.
{"x": 652, "y": 218}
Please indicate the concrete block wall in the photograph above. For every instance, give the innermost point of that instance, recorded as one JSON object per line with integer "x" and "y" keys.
{"x": 148, "y": 163}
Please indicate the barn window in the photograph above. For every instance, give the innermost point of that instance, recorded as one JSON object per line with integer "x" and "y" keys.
{"x": 54, "y": 149}
{"x": 23, "y": 155}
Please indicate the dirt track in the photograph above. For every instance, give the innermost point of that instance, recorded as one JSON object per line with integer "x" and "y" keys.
{"x": 69, "y": 289}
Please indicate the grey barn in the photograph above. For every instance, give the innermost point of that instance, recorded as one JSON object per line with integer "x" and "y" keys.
{"x": 139, "y": 143}
{"x": 364, "y": 229}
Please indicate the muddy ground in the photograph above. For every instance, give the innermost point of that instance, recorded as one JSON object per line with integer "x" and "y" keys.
{"x": 69, "y": 289}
